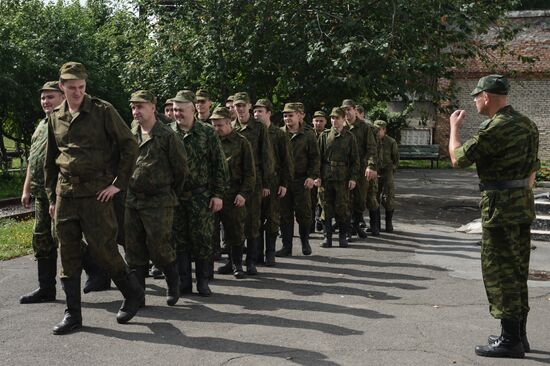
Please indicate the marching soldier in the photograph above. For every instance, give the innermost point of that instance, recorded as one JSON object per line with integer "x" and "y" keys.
{"x": 317, "y": 193}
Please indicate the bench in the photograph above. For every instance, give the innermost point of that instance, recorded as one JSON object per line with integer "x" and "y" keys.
{"x": 420, "y": 152}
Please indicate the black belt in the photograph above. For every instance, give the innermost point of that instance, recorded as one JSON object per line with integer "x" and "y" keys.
{"x": 188, "y": 194}
{"x": 505, "y": 184}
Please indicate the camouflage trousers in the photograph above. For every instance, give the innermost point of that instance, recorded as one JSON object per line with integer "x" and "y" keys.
{"x": 337, "y": 203}
{"x": 119, "y": 202}
{"x": 321, "y": 203}
{"x": 271, "y": 212}
{"x": 252, "y": 221}
{"x": 149, "y": 236}
{"x": 358, "y": 196}
{"x": 297, "y": 201}
{"x": 193, "y": 226}
{"x": 505, "y": 252}
{"x": 371, "y": 187}
{"x": 44, "y": 243}
{"x": 232, "y": 218}
{"x": 95, "y": 220}
{"x": 386, "y": 189}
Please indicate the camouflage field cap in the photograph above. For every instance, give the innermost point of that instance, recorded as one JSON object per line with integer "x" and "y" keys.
{"x": 360, "y": 108}
{"x": 168, "y": 102}
{"x": 494, "y": 84}
{"x": 50, "y": 85}
{"x": 73, "y": 71}
{"x": 348, "y": 103}
{"x": 143, "y": 96}
{"x": 184, "y": 96}
{"x": 291, "y": 108}
{"x": 337, "y": 112}
{"x": 319, "y": 114}
{"x": 379, "y": 123}
{"x": 203, "y": 94}
{"x": 230, "y": 98}
{"x": 241, "y": 98}
{"x": 220, "y": 113}
{"x": 264, "y": 102}
{"x": 300, "y": 106}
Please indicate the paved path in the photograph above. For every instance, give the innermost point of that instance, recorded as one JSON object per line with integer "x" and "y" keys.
{"x": 410, "y": 298}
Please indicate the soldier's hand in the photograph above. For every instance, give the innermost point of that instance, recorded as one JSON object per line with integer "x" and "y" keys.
{"x": 239, "y": 201}
{"x": 108, "y": 193}
{"x": 216, "y": 204}
{"x": 370, "y": 174}
{"x": 26, "y": 199}
{"x": 317, "y": 182}
{"x": 457, "y": 118}
{"x": 309, "y": 183}
{"x": 281, "y": 192}
{"x": 266, "y": 192}
{"x": 351, "y": 184}
{"x": 51, "y": 211}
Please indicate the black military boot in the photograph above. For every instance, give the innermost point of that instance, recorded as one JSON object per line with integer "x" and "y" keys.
{"x": 260, "y": 258}
{"x": 319, "y": 225}
{"x": 522, "y": 332}
{"x": 251, "y": 254}
{"x": 47, "y": 268}
{"x": 389, "y": 223}
{"x": 201, "y": 273}
{"x": 237, "y": 260}
{"x": 357, "y": 228}
{"x": 287, "y": 231}
{"x": 133, "y": 294}
{"x": 183, "y": 260}
{"x": 226, "y": 268}
{"x": 141, "y": 274}
{"x": 327, "y": 241}
{"x": 97, "y": 278}
{"x": 304, "y": 238}
{"x": 270, "y": 240}
{"x": 172, "y": 282}
{"x": 73, "y": 313}
{"x": 509, "y": 344}
{"x": 342, "y": 236}
{"x": 156, "y": 273}
{"x": 375, "y": 229}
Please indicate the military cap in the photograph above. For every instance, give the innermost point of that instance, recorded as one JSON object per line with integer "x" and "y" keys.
{"x": 380, "y": 123}
{"x": 290, "y": 108}
{"x": 50, "y": 85}
{"x": 241, "y": 98}
{"x": 230, "y": 98}
{"x": 348, "y": 103}
{"x": 203, "y": 94}
{"x": 264, "y": 102}
{"x": 319, "y": 114}
{"x": 360, "y": 108}
{"x": 337, "y": 112}
{"x": 143, "y": 96}
{"x": 494, "y": 84}
{"x": 168, "y": 101}
{"x": 220, "y": 113}
{"x": 73, "y": 71}
{"x": 184, "y": 96}
{"x": 300, "y": 106}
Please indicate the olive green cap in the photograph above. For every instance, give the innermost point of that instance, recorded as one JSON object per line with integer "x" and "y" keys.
{"x": 264, "y": 102}
{"x": 380, "y": 123}
{"x": 168, "y": 101}
{"x": 319, "y": 114}
{"x": 50, "y": 85}
{"x": 203, "y": 94}
{"x": 143, "y": 96}
{"x": 291, "y": 108}
{"x": 494, "y": 84}
{"x": 230, "y": 98}
{"x": 337, "y": 112}
{"x": 300, "y": 106}
{"x": 360, "y": 108}
{"x": 73, "y": 71}
{"x": 220, "y": 113}
{"x": 241, "y": 98}
{"x": 348, "y": 103}
{"x": 184, "y": 96}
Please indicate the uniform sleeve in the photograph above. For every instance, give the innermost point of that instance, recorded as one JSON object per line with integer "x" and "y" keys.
{"x": 266, "y": 153}
{"x": 220, "y": 171}
{"x": 51, "y": 170}
{"x": 248, "y": 169}
{"x": 177, "y": 156}
{"x": 372, "y": 149}
{"x": 394, "y": 155}
{"x": 355, "y": 165}
{"x": 287, "y": 161}
{"x": 314, "y": 157}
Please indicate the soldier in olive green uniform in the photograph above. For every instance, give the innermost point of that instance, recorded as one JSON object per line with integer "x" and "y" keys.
{"x": 242, "y": 180}
{"x": 339, "y": 173}
{"x": 368, "y": 155}
{"x": 505, "y": 153}
{"x": 282, "y": 175}
{"x": 317, "y": 193}
{"x": 158, "y": 176}
{"x": 256, "y": 133}
{"x": 203, "y": 104}
{"x": 297, "y": 200}
{"x": 80, "y": 185}
{"x": 202, "y": 194}
{"x": 373, "y": 203}
{"x": 389, "y": 161}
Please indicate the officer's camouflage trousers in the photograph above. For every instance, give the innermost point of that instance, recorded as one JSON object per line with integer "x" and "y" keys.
{"x": 149, "y": 236}
{"x": 337, "y": 200}
{"x": 386, "y": 189}
{"x": 371, "y": 187}
{"x": 297, "y": 201}
{"x": 505, "y": 252}
{"x": 44, "y": 243}
{"x": 271, "y": 212}
{"x": 194, "y": 226}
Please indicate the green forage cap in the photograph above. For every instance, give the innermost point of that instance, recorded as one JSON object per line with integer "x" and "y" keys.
{"x": 73, "y": 71}
{"x": 241, "y": 98}
{"x": 290, "y": 108}
{"x": 220, "y": 113}
{"x": 300, "y": 106}
{"x": 50, "y": 85}
{"x": 184, "y": 96}
{"x": 319, "y": 114}
{"x": 264, "y": 102}
{"x": 203, "y": 94}
{"x": 230, "y": 98}
{"x": 494, "y": 84}
{"x": 337, "y": 112}
{"x": 380, "y": 123}
{"x": 348, "y": 103}
{"x": 143, "y": 96}
{"x": 168, "y": 101}
{"x": 360, "y": 108}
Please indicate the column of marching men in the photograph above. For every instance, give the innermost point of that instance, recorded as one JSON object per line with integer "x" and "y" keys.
{"x": 189, "y": 185}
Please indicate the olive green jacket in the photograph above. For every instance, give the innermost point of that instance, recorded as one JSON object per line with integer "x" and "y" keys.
{"x": 305, "y": 153}
{"x": 339, "y": 156}
{"x": 240, "y": 161}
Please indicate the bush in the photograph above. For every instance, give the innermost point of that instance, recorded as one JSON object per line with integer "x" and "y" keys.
{"x": 395, "y": 121}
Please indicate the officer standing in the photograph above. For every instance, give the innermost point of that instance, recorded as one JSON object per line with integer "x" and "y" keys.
{"x": 319, "y": 123}
{"x": 80, "y": 184}
{"x": 505, "y": 152}
{"x": 157, "y": 178}
{"x": 242, "y": 180}
{"x": 339, "y": 173}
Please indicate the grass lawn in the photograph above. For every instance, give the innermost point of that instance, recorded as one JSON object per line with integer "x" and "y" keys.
{"x": 11, "y": 185}
{"x": 424, "y": 164}
{"x": 15, "y": 238}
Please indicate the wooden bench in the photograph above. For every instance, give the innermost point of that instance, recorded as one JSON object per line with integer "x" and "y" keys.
{"x": 420, "y": 152}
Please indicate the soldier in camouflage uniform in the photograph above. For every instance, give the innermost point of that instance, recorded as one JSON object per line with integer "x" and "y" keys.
{"x": 169, "y": 109}
{"x": 242, "y": 180}
{"x": 297, "y": 200}
{"x": 157, "y": 178}
{"x": 80, "y": 184}
{"x": 317, "y": 193}
{"x": 256, "y": 133}
{"x": 505, "y": 153}
{"x": 339, "y": 173}
{"x": 231, "y": 107}
{"x": 203, "y": 104}
{"x": 202, "y": 194}
{"x": 282, "y": 175}
{"x": 389, "y": 161}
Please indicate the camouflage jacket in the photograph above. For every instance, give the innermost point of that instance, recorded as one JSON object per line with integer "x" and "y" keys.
{"x": 389, "y": 158}
{"x": 256, "y": 133}
{"x": 505, "y": 148}
{"x": 36, "y": 158}
{"x": 305, "y": 153}
{"x": 339, "y": 156}
{"x": 284, "y": 164}
{"x": 160, "y": 169}
{"x": 240, "y": 161}
{"x": 366, "y": 137}
{"x": 79, "y": 155}
{"x": 205, "y": 159}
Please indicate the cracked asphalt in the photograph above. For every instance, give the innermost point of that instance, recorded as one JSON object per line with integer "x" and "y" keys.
{"x": 413, "y": 297}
